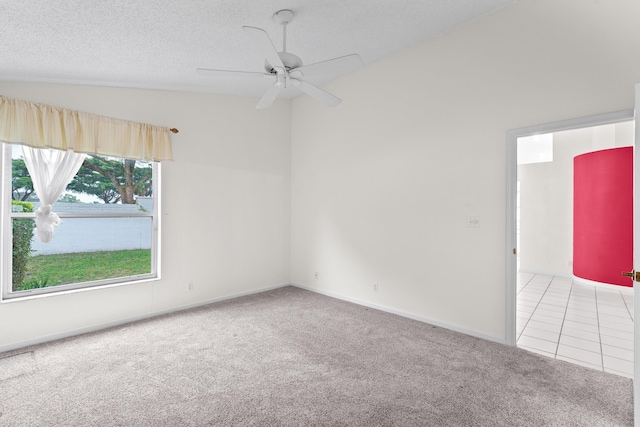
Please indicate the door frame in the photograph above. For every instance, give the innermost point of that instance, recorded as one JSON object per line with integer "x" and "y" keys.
{"x": 512, "y": 179}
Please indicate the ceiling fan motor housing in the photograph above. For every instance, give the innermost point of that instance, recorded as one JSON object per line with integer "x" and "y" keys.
{"x": 289, "y": 60}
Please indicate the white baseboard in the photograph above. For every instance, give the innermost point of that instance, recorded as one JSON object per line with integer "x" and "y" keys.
{"x": 101, "y": 326}
{"x": 499, "y": 340}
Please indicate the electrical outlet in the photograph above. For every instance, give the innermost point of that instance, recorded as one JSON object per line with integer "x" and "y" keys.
{"x": 375, "y": 287}
{"x": 190, "y": 286}
{"x": 316, "y": 275}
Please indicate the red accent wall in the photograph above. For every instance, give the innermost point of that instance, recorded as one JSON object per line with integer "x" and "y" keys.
{"x": 603, "y": 215}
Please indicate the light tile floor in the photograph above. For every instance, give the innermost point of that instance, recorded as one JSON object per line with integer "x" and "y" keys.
{"x": 588, "y": 325}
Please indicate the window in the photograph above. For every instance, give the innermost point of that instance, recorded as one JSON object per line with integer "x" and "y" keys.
{"x": 108, "y": 235}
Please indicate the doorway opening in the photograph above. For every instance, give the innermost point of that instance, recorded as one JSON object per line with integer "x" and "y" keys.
{"x": 549, "y": 310}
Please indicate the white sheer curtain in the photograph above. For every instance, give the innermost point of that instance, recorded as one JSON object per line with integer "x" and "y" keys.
{"x": 51, "y": 171}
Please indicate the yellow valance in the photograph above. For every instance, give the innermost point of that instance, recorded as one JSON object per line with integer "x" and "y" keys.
{"x": 44, "y": 126}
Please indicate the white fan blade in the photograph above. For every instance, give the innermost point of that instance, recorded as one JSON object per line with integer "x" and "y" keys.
{"x": 316, "y": 92}
{"x": 268, "y": 49}
{"x": 340, "y": 65}
{"x": 270, "y": 96}
{"x": 228, "y": 73}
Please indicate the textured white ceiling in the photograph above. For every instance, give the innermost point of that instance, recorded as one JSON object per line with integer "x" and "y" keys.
{"x": 160, "y": 43}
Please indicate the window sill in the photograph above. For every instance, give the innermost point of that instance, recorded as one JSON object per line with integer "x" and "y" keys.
{"x": 24, "y": 297}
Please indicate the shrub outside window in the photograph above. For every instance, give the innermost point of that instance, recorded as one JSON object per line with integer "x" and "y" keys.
{"x": 108, "y": 235}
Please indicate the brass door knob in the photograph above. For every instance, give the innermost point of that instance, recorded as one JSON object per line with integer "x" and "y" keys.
{"x": 635, "y": 275}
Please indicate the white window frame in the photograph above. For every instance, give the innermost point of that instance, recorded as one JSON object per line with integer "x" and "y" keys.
{"x": 6, "y": 216}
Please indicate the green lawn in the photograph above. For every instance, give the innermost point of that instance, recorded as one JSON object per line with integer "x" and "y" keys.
{"x": 62, "y": 269}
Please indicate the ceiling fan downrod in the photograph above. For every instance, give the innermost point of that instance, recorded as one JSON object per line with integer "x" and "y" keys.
{"x": 290, "y": 61}
{"x": 283, "y": 17}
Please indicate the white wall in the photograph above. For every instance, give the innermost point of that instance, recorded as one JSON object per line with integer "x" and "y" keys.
{"x": 382, "y": 186}
{"x": 225, "y": 207}
{"x": 546, "y": 197}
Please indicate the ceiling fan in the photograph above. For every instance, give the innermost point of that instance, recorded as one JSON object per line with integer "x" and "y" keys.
{"x": 287, "y": 69}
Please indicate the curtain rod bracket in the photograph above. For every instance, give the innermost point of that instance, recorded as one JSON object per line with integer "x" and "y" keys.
{"x": 174, "y": 130}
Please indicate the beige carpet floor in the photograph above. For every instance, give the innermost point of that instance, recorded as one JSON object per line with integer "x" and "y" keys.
{"x": 290, "y": 357}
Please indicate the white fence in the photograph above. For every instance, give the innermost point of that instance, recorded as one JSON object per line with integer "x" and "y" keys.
{"x": 98, "y": 234}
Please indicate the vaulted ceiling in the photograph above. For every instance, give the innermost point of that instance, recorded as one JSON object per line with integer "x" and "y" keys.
{"x": 159, "y": 44}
